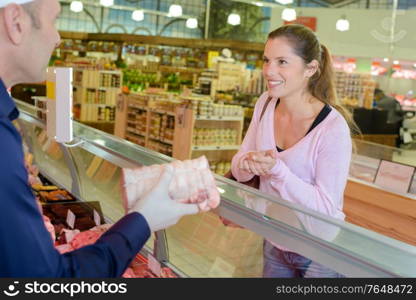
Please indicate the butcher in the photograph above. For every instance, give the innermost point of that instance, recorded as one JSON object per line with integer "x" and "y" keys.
{"x": 28, "y": 37}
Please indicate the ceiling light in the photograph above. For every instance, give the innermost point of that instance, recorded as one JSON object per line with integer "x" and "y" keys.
{"x": 289, "y": 14}
{"x": 107, "y": 3}
{"x": 396, "y": 62}
{"x": 284, "y": 2}
{"x": 77, "y": 6}
{"x": 385, "y": 59}
{"x": 192, "y": 23}
{"x": 138, "y": 15}
{"x": 175, "y": 10}
{"x": 258, "y": 3}
{"x": 342, "y": 24}
{"x": 234, "y": 19}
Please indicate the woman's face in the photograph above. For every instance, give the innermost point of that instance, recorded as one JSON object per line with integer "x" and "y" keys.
{"x": 284, "y": 71}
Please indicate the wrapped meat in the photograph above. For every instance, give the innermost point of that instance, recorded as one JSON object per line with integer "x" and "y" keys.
{"x": 193, "y": 182}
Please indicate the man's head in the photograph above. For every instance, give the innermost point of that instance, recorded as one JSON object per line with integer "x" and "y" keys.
{"x": 28, "y": 37}
{"x": 378, "y": 94}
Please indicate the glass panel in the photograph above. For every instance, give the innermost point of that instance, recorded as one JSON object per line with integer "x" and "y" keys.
{"x": 48, "y": 155}
{"x": 100, "y": 180}
{"x": 360, "y": 243}
{"x": 365, "y": 161}
{"x": 379, "y": 151}
{"x": 201, "y": 246}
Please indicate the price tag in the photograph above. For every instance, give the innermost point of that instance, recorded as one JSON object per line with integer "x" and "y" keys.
{"x": 394, "y": 176}
{"x": 154, "y": 265}
{"x": 70, "y": 219}
{"x": 97, "y": 218}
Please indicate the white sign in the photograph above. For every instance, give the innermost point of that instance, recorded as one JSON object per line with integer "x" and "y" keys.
{"x": 70, "y": 219}
{"x": 97, "y": 218}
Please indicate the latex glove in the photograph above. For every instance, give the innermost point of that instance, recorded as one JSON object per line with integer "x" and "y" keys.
{"x": 258, "y": 163}
{"x": 159, "y": 210}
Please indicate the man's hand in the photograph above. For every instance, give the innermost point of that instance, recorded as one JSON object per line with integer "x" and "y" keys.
{"x": 159, "y": 210}
{"x": 258, "y": 163}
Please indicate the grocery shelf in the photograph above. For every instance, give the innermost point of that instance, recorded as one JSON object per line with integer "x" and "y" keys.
{"x": 161, "y": 140}
{"x": 212, "y": 148}
{"x": 137, "y": 107}
{"x": 219, "y": 118}
{"x": 162, "y": 112}
{"x": 135, "y": 132}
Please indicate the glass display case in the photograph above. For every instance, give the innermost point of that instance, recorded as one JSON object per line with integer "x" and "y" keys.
{"x": 367, "y": 157}
{"x": 201, "y": 245}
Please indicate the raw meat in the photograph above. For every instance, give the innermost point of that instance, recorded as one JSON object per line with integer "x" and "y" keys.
{"x": 193, "y": 182}
{"x": 138, "y": 267}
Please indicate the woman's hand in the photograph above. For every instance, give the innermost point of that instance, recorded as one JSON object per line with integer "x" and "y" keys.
{"x": 258, "y": 163}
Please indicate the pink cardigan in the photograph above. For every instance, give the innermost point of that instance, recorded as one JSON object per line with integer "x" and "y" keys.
{"x": 313, "y": 172}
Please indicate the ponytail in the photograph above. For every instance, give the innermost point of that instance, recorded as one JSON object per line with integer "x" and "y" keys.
{"x": 322, "y": 87}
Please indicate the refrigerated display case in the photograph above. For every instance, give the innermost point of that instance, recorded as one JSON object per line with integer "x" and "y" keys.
{"x": 367, "y": 156}
{"x": 200, "y": 245}
{"x": 383, "y": 209}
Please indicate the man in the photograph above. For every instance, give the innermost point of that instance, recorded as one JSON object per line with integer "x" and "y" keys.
{"x": 27, "y": 38}
{"x": 384, "y": 102}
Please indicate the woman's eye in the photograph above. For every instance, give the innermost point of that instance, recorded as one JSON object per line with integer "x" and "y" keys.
{"x": 265, "y": 60}
{"x": 282, "y": 62}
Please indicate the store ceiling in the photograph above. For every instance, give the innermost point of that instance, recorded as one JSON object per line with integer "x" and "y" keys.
{"x": 339, "y": 3}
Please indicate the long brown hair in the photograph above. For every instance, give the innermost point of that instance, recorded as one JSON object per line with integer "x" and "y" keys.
{"x": 321, "y": 85}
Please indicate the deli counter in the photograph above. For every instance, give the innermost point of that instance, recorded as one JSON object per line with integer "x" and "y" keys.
{"x": 201, "y": 245}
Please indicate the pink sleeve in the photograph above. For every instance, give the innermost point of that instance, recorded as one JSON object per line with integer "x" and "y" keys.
{"x": 326, "y": 194}
{"x": 249, "y": 142}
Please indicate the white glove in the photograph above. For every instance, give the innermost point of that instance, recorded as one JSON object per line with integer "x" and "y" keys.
{"x": 159, "y": 210}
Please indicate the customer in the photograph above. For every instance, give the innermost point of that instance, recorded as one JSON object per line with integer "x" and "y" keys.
{"x": 27, "y": 38}
{"x": 301, "y": 147}
{"x": 384, "y": 102}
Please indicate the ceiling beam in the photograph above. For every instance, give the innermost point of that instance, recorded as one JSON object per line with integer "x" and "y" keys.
{"x": 343, "y": 3}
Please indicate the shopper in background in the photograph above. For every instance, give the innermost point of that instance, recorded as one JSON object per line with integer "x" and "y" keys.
{"x": 301, "y": 148}
{"x": 393, "y": 107}
{"x": 394, "y": 110}
{"x": 27, "y": 38}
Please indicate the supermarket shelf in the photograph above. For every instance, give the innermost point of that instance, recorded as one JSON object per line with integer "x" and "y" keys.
{"x": 103, "y": 88}
{"x": 137, "y": 107}
{"x": 97, "y": 104}
{"x": 94, "y": 122}
{"x": 165, "y": 141}
{"x": 219, "y": 118}
{"x": 163, "y": 112}
{"x": 136, "y": 132}
{"x": 211, "y": 148}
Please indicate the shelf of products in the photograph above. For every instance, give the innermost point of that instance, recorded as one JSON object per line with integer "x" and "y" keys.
{"x": 95, "y": 94}
{"x": 200, "y": 245}
{"x": 355, "y": 89}
{"x": 180, "y": 126}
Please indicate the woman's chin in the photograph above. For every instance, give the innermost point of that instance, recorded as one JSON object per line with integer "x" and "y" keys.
{"x": 274, "y": 94}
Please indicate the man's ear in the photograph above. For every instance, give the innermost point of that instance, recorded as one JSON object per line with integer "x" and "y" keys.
{"x": 311, "y": 68}
{"x": 14, "y": 21}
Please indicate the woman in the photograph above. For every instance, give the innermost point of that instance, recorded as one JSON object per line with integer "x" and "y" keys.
{"x": 300, "y": 146}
